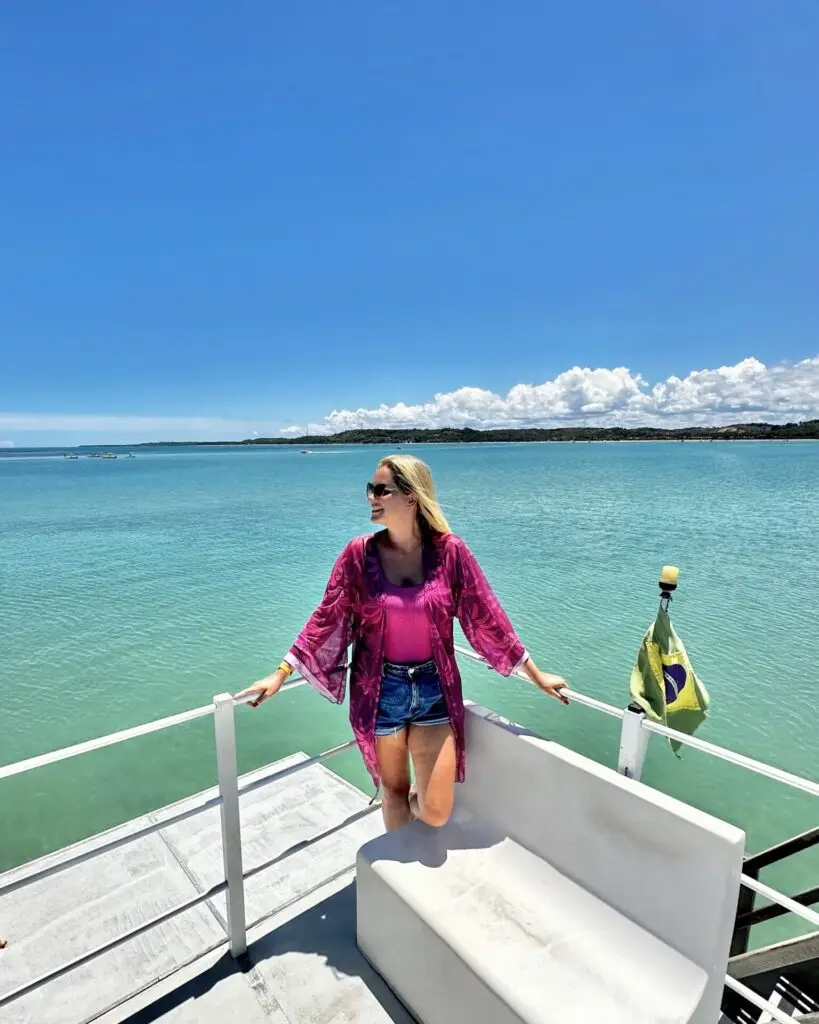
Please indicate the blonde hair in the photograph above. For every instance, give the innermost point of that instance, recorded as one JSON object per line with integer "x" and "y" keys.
{"x": 414, "y": 477}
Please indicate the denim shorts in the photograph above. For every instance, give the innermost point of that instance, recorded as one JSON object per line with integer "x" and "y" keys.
{"x": 410, "y": 695}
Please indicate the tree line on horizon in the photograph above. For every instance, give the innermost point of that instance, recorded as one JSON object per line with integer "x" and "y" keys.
{"x": 807, "y": 430}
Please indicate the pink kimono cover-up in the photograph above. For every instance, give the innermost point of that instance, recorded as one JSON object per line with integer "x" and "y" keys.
{"x": 352, "y": 612}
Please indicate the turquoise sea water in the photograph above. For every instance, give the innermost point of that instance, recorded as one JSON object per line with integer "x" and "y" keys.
{"x": 135, "y": 588}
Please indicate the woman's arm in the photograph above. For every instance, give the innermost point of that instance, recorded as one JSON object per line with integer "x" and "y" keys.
{"x": 320, "y": 650}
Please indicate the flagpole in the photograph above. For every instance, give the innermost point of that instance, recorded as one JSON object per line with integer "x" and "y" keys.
{"x": 633, "y": 737}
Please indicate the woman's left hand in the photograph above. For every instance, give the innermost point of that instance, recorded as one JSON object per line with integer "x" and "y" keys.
{"x": 553, "y": 685}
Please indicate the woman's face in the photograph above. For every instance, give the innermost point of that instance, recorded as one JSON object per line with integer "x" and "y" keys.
{"x": 389, "y": 506}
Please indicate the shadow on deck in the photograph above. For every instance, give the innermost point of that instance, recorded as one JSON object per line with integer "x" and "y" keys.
{"x": 306, "y": 970}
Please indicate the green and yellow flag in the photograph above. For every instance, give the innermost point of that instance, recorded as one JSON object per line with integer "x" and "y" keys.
{"x": 663, "y": 682}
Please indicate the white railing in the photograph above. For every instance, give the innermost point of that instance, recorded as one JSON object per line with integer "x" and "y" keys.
{"x": 634, "y": 736}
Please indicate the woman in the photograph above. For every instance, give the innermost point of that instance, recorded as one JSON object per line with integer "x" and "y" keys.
{"x": 394, "y": 595}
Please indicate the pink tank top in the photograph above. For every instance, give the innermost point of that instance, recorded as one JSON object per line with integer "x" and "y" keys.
{"x": 407, "y": 638}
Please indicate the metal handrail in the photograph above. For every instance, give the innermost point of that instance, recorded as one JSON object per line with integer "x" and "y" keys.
{"x": 811, "y": 916}
{"x": 41, "y": 760}
{"x": 106, "y": 947}
{"x": 788, "y": 848}
{"x": 747, "y": 916}
{"x": 107, "y": 847}
{"x": 573, "y": 695}
{"x": 760, "y": 915}
{"x": 759, "y": 1002}
{"x": 100, "y": 742}
{"x": 723, "y": 753}
{"x": 305, "y": 844}
{"x": 740, "y": 760}
{"x": 282, "y": 773}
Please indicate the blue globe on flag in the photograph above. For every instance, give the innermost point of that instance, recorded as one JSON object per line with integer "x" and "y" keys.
{"x": 674, "y": 677}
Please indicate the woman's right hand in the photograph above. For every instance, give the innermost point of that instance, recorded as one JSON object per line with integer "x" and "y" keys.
{"x": 267, "y": 687}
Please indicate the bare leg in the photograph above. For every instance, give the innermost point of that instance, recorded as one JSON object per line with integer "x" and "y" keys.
{"x": 393, "y": 765}
{"x": 432, "y": 748}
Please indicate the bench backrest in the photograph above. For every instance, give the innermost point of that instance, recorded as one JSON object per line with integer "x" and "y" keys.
{"x": 668, "y": 867}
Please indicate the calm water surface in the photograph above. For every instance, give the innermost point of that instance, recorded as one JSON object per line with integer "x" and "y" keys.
{"x": 134, "y": 588}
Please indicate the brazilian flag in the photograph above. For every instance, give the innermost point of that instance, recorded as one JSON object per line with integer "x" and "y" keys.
{"x": 663, "y": 682}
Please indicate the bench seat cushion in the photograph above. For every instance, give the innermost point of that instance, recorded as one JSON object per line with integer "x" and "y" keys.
{"x": 468, "y": 926}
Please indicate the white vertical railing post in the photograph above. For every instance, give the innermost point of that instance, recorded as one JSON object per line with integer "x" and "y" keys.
{"x": 227, "y": 776}
{"x": 633, "y": 743}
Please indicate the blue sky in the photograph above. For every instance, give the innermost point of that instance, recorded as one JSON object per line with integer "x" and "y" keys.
{"x": 231, "y": 217}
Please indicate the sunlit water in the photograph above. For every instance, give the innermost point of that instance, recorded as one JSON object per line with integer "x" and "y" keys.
{"x": 134, "y": 588}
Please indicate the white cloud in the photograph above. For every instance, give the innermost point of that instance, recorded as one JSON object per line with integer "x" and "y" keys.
{"x": 300, "y": 430}
{"x": 617, "y": 397}
{"x": 605, "y": 397}
{"x": 6, "y": 444}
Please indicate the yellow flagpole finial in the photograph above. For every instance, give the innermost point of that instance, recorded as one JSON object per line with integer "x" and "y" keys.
{"x": 670, "y": 575}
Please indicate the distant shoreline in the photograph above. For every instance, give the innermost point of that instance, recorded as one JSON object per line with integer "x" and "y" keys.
{"x": 806, "y": 431}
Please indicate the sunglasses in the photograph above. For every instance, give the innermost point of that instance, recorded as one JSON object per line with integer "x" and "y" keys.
{"x": 381, "y": 490}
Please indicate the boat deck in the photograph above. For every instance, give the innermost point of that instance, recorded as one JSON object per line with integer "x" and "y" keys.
{"x": 131, "y": 925}
{"x": 302, "y": 963}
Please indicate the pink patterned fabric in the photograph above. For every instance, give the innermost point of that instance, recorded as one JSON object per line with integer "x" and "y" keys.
{"x": 353, "y": 611}
{"x": 407, "y": 637}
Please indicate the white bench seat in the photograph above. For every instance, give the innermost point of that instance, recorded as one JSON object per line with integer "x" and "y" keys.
{"x": 559, "y": 893}
{"x": 495, "y": 926}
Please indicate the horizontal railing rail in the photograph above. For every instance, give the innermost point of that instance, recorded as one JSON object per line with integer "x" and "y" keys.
{"x": 106, "y": 947}
{"x": 305, "y": 844}
{"x": 106, "y": 847}
{"x": 747, "y": 914}
{"x": 789, "y": 848}
{"x": 732, "y": 757}
{"x": 760, "y": 915}
{"x": 811, "y": 916}
{"x": 7, "y": 771}
{"x": 635, "y": 733}
{"x": 757, "y": 1000}
{"x": 573, "y": 695}
{"x": 740, "y": 760}
{"x": 282, "y": 773}
{"x": 41, "y": 760}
